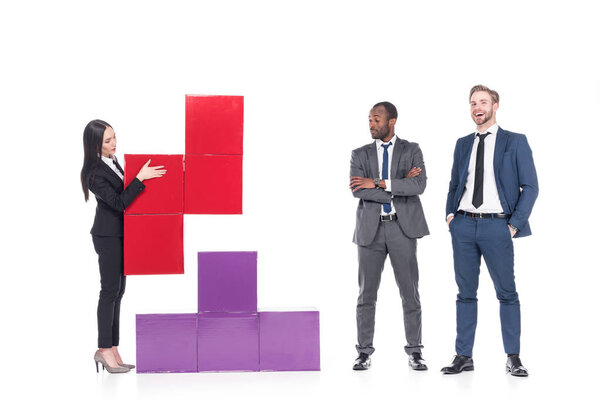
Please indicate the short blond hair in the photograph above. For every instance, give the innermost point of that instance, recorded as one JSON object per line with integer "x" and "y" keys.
{"x": 481, "y": 88}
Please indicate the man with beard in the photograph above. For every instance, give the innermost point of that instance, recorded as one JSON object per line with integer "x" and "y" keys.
{"x": 492, "y": 190}
{"x": 388, "y": 176}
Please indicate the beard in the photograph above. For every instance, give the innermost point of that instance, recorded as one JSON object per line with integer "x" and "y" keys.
{"x": 380, "y": 133}
{"x": 486, "y": 117}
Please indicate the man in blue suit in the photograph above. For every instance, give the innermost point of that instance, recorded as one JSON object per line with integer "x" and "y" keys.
{"x": 492, "y": 190}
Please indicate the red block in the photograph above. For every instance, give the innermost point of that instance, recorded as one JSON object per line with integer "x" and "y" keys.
{"x": 214, "y": 124}
{"x": 162, "y": 195}
{"x": 213, "y": 184}
{"x": 153, "y": 244}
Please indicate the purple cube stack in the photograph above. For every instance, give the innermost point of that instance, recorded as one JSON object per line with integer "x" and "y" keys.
{"x": 227, "y": 318}
{"x": 227, "y": 333}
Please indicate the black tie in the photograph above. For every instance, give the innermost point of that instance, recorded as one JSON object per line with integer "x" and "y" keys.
{"x": 121, "y": 169}
{"x": 478, "y": 188}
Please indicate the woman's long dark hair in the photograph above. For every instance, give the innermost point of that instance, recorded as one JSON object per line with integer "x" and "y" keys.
{"x": 93, "y": 134}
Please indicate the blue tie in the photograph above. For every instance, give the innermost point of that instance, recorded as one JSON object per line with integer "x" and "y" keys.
{"x": 387, "y": 207}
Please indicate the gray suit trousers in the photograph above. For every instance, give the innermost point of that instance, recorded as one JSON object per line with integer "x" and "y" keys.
{"x": 389, "y": 239}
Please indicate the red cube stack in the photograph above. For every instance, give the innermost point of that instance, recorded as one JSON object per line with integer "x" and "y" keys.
{"x": 206, "y": 180}
{"x": 213, "y": 154}
{"x": 154, "y": 220}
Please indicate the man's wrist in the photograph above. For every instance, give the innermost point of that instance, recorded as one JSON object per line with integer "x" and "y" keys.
{"x": 376, "y": 182}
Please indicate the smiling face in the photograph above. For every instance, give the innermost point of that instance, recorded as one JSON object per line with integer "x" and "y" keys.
{"x": 381, "y": 127}
{"x": 483, "y": 110}
{"x": 109, "y": 142}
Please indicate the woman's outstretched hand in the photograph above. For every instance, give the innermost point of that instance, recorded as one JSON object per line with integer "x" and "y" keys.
{"x": 147, "y": 172}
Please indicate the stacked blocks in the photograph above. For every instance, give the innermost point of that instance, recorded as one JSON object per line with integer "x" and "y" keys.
{"x": 230, "y": 334}
{"x": 227, "y": 333}
{"x": 227, "y": 318}
{"x": 214, "y": 152}
{"x": 206, "y": 180}
{"x": 153, "y": 239}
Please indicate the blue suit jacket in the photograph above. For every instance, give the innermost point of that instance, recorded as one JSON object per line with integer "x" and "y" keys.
{"x": 516, "y": 179}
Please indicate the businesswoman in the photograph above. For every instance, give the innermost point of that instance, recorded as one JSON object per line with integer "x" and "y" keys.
{"x": 102, "y": 175}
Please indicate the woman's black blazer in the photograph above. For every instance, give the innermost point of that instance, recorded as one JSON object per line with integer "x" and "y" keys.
{"x": 112, "y": 200}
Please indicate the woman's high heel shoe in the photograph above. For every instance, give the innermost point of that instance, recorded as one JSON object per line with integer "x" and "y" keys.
{"x": 98, "y": 358}
{"x": 130, "y": 366}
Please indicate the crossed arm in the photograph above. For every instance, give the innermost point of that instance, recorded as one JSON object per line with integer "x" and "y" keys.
{"x": 364, "y": 187}
{"x": 357, "y": 182}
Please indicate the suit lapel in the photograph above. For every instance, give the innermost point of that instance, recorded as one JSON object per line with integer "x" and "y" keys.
{"x": 396, "y": 154}
{"x": 109, "y": 171}
{"x": 499, "y": 148}
{"x": 466, "y": 158}
{"x": 373, "y": 162}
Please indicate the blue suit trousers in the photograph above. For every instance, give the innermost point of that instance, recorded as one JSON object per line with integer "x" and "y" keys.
{"x": 490, "y": 238}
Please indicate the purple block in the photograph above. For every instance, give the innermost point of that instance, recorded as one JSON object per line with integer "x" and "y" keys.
{"x": 227, "y": 342}
{"x": 227, "y": 281}
{"x": 166, "y": 343}
{"x": 289, "y": 341}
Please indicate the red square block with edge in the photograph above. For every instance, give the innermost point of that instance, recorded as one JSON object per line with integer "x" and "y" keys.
{"x": 162, "y": 195}
{"x": 213, "y": 184}
{"x": 214, "y": 124}
{"x": 153, "y": 244}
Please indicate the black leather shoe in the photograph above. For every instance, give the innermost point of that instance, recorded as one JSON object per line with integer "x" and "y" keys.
{"x": 416, "y": 362}
{"x": 459, "y": 364}
{"x": 515, "y": 366}
{"x": 363, "y": 362}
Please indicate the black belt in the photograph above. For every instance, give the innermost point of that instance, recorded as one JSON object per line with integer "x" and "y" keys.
{"x": 390, "y": 217}
{"x": 483, "y": 215}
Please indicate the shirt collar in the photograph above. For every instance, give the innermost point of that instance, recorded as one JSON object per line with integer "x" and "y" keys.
{"x": 492, "y": 129}
{"x": 379, "y": 142}
{"x": 110, "y": 162}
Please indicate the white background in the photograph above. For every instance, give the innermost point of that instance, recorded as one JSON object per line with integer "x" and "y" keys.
{"x": 309, "y": 71}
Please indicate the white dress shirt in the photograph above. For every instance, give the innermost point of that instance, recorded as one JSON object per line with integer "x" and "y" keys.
{"x": 111, "y": 164}
{"x": 388, "y": 182}
{"x": 491, "y": 200}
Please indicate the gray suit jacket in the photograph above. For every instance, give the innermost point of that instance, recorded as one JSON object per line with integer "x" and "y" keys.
{"x": 405, "y": 191}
